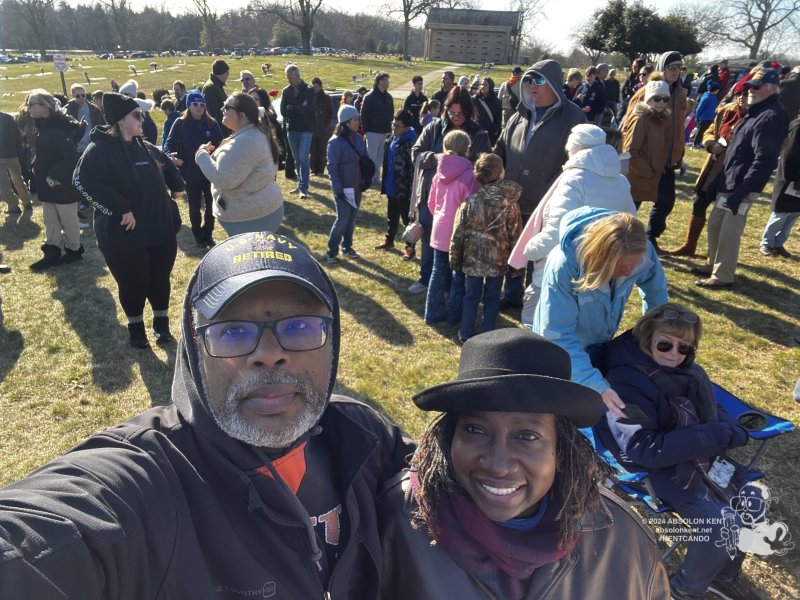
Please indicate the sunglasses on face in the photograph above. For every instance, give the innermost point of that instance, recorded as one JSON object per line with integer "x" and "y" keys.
{"x": 455, "y": 115}
{"x": 660, "y": 98}
{"x": 229, "y": 339}
{"x": 665, "y": 346}
{"x": 674, "y": 67}
{"x": 535, "y": 80}
{"x": 227, "y": 107}
{"x": 197, "y": 104}
{"x": 670, "y": 314}
{"x": 79, "y": 95}
{"x": 138, "y": 115}
{"x": 754, "y": 87}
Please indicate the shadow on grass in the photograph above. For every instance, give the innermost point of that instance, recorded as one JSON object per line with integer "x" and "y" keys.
{"x": 188, "y": 245}
{"x": 12, "y": 343}
{"x": 91, "y": 311}
{"x": 17, "y": 229}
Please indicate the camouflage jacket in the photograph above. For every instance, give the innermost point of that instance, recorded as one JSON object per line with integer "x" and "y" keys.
{"x": 487, "y": 226}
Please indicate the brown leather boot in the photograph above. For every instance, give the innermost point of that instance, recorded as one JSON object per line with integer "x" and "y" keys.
{"x": 688, "y": 248}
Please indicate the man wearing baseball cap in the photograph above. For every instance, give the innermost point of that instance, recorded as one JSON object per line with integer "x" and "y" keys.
{"x": 751, "y": 157}
{"x": 256, "y": 481}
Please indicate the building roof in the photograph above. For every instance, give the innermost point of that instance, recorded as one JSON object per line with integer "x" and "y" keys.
{"x": 473, "y": 18}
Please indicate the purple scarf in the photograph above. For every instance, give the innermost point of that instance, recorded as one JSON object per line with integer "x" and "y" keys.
{"x": 502, "y": 557}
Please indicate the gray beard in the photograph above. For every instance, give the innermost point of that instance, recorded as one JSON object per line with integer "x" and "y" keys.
{"x": 231, "y": 421}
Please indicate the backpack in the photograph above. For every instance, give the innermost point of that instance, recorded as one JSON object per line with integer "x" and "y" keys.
{"x": 365, "y": 166}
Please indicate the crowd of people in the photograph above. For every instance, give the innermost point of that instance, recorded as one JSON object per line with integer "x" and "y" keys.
{"x": 525, "y": 198}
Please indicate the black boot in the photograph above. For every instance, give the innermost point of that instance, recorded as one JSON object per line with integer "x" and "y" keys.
{"x": 199, "y": 238}
{"x": 138, "y": 335}
{"x": 72, "y": 255}
{"x": 209, "y": 239}
{"x": 52, "y": 257}
{"x": 161, "y": 329}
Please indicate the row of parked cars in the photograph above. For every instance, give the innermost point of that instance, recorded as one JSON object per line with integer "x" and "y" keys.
{"x": 28, "y": 57}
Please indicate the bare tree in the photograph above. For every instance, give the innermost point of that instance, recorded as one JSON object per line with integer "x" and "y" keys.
{"x": 757, "y": 25}
{"x": 120, "y": 17}
{"x": 210, "y": 18}
{"x": 297, "y": 13}
{"x": 36, "y": 13}
{"x": 410, "y": 11}
{"x": 529, "y": 10}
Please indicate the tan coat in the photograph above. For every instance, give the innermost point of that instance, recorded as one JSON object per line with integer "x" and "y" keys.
{"x": 712, "y": 166}
{"x": 673, "y": 138}
{"x": 643, "y": 136}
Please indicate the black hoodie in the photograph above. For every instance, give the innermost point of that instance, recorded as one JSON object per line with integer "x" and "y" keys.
{"x": 119, "y": 177}
{"x": 56, "y": 157}
{"x": 167, "y": 506}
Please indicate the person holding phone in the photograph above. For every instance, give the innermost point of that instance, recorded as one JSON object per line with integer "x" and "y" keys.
{"x": 674, "y": 429}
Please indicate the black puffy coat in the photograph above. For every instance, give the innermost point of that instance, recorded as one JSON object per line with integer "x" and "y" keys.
{"x": 56, "y": 157}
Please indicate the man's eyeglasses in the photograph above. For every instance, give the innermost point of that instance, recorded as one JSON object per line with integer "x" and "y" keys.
{"x": 229, "y": 339}
{"x": 197, "y": 104}
{"x": 684, "y": 349}
{"x": 674, "y": 67}
{"x": 669, "y": 314}
{"x": 456, "y": 115}
{"x": 79, "y": 95}
{"x": 534, "y": 80}
{"x": 660, "y": 98}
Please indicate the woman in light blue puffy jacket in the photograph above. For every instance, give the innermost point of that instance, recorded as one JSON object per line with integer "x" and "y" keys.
{"x": 587, "y": 280}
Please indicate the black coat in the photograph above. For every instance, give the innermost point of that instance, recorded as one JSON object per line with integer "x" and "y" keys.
{"x": 490, "y": 115}
{"x": 299, "y": 107}
{"x": 185, "y": 137}
{"x": 56, "y": 156}
{"x": 788, "y": 172}
{"x": 413, "y": 104}
{"x": 377, "y": 111}
{"x": 118, "y": 178}
{"x": 10, "y": 137}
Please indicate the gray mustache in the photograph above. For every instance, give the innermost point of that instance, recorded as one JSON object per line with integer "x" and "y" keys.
{"x": 242, "y": 389}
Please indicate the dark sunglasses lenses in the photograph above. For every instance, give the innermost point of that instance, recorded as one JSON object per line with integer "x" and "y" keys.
{"x": 660, "y": 98}
{"x": 80, "y": 95}
{"x": 674, "y": 67}
{"x": 239, "y": 338}
{"x": 536, "y": 80}
{"x": 198, "y": 104}
{"x": 138, "y": 115}
{"x": 455, "y": 115}
{"x": 683, "y": 349}
{"x": 754, "y": 87}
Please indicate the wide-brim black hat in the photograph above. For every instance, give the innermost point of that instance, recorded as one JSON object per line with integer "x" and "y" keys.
{"x": 514, "y": 370}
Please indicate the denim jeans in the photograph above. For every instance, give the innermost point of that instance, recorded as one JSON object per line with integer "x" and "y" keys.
{"x": 300, "y": 143}
{"x": 438, "y": 286}
{"x": 778, "y": 229}
{"x": 426, "y": 252}
{"x": 704, "y": 561}
{"x": 343, "y": 227}
{"x": 665, "y": 202}
{"x": 477, "y": 287}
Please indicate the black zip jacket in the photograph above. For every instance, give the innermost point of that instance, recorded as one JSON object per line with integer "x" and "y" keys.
{"x": 299, "y": 107}
{"x": 56, "y": 156}
{"x": 377, "y": 111}
{"x": 117, "y": 181}
{"x": 168, "y": 507}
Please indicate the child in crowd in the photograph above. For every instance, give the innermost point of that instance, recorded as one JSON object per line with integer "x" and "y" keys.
{"x": 398, "y": 177}
{"x": 429, "y": 111}
{"x": 486, "y": 228}
{"x": 451, "y": 185}
{"x": 168, "y": 108}
{"x": 706, "y": 111}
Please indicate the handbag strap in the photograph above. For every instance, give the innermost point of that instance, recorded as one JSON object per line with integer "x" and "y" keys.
{"x": 353, "y": 146}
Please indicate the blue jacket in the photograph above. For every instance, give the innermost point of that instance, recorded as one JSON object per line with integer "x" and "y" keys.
{"x": 343, "y": 163}
{"x": 168, "y": 126}
{"x": 185, "y": 137}
{"x": 576, "y": 321}
{"x": 657, "y": 445}
{"x": 753, "y": 152}
{"x": 707, "y": 107}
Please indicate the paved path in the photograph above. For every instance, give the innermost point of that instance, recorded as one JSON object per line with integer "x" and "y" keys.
{"x": 431, "y": 80}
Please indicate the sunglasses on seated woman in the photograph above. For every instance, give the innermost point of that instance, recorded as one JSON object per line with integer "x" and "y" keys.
{"x": 670, "y": 314}
{"x": 684, "y": 349}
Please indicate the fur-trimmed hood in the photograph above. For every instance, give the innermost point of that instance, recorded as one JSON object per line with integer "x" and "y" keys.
{"x": 645, "y": 111}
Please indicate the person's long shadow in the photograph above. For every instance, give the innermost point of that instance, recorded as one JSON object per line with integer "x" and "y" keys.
{"x": 372, "y": 315}
{"x": 17, "y": 229}
{"x": 91, "y": 311}
{"x": 11, "y": 344}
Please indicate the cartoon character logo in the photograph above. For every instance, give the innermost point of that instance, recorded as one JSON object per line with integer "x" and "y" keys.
{"x": 756, "y": 535}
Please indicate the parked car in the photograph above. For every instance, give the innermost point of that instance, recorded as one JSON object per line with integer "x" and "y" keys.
{"x": 195, "y": 53}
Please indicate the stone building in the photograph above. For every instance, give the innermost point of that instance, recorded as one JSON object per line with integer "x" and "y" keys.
{"x": 465, "y": 35}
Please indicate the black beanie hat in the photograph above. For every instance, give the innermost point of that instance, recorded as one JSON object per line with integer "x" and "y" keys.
{"x": 116, "y": 106}
{"x": 219, "y": 67}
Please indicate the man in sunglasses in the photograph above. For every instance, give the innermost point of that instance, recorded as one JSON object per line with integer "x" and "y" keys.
{"x": 532, "y": 146}
{"x": 751, "y": 157}
{"x": 82, "y": 110}
{"x": 255, "y": 482}
{"x": 669, "y": 64}
{"x": 248, "y": 81}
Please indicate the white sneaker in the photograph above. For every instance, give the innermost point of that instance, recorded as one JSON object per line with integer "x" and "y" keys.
{"x": 295, "y": 191}
{"x": 417, "y": 288}
{"x": 303, "y": 194}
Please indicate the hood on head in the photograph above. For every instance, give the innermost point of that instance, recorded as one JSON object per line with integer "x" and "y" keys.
{"x": 451, "y": 167}
{"x": 553, "y": 74}
{"x": 188, "y": 394}
{"x": 602, "y": 160}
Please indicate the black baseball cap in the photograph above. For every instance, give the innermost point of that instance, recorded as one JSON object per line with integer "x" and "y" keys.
{"x": 242, "y": 261}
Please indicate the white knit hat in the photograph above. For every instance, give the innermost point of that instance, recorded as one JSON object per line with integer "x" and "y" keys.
{"x": 129, "y": 88}
{"x": 655, "y": 88}
{"x": 584, "y": 136}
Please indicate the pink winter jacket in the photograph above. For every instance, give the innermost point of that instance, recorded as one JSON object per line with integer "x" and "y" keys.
{"x": 451, "y": 185}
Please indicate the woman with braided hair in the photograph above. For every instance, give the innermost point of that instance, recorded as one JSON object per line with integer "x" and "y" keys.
{"x": 135, "y": 221}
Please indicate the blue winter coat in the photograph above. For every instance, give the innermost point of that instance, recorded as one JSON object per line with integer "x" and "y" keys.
{"x": 707, "y": 107}
{"x": 657, "y": 445}
{"x": 185, "y": 137}
{"x": 576, "y": 321}
{"x": 343, "y": 163}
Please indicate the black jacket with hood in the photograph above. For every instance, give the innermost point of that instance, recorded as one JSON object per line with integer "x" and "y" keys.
{"x": 118, "y": 177}
{"x": 535, "y": 163}
{"x": 168, "y": 507}
{"x": 56, "y": 156}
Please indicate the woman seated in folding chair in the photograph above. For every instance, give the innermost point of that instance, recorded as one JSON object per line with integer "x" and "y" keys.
{"x": 675, "y": 431}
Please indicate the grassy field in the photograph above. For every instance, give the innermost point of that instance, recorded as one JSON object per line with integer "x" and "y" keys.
{"x": 66, "y": 370}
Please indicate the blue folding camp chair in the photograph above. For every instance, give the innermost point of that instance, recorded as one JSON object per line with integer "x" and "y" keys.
{"x": 636, "y": 486}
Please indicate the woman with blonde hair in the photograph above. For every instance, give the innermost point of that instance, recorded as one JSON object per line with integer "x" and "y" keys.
{"x": 587, "y": 281}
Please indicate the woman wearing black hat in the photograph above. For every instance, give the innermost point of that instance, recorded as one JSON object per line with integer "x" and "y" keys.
{"x": 507, "y": 488}
{"x": 126, "y": 179}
